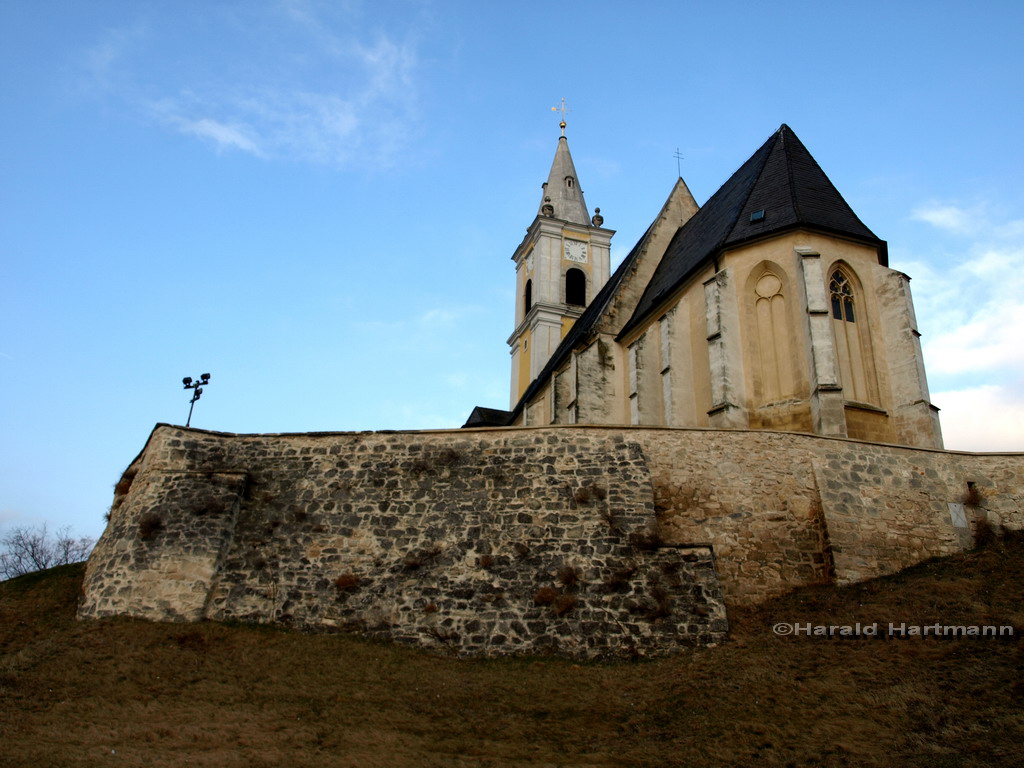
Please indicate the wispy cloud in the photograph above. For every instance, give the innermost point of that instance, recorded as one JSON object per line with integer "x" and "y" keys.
{"x": 973, "y": 318}
{"x": 947, "y": 217}
{"x": 442, "y": 316}
{"x": 349, "y": 100}
{"x": 983, "y": 328}
{"x": 222, "y": 135}
{"x": 975, "y": 310}
{"x": 976, "y": 220}
{"x": 423, "y": 325}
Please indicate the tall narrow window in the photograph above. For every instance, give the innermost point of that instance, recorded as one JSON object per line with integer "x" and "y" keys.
{"x": 842, "y": 297}
{"x": 528, "y": 297}
{"x": 576, "y": 287}
{"x": 849, "y": 342}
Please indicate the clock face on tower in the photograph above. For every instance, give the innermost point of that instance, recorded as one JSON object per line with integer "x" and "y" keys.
{"x": 576, "y": 250}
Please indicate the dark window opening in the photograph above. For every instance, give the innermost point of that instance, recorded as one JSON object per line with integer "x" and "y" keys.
{"x": 528, "y": 296}
{"x": 576, "y": 288}
{"x": 842, "y": 297}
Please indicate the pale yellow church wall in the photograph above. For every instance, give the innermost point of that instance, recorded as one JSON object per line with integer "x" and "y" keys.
{"x": 521, "y": 365}
{"x": 643, "y": 388}
{"x": 546, "y": 262}
{"x": 914, "y": 419}
{"x": 861, "y": 343}
{"x": 684, "y": 363}
{"x": 780, "y": 256}
{"x": 700, "y": 386}
{"x": 775, "y": 340}
{"x": 584, "y": 389}
{"x": 687, "y": 359}
{"x": 563, "y": 407}
{"x": 524, "y": 272}
{"x": 864, "y": 423}
{"x": 887, "y": 345}
{"x": 667, "y": 363}
{"x": 599, "y": 399}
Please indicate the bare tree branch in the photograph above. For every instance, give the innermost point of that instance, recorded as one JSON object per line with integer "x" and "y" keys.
{"x": 25, "y": 550}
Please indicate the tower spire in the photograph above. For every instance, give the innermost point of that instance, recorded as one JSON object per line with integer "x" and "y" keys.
{"x": 561, "y": 265}
{"x": 562, "y": 197}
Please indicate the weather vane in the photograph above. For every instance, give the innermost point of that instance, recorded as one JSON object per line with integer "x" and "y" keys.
{"x": 679, "y": 168}
{"x": 204, "y": 379}
{"x": 563, "y": 109}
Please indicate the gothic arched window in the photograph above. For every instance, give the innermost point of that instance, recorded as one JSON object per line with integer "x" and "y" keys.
{"x": 842, "y": 297}
{"x": 853, "y": 345}
{"x": 576, "y": 287}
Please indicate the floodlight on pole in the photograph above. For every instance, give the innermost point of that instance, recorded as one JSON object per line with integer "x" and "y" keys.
{"x": 197, "y": 387}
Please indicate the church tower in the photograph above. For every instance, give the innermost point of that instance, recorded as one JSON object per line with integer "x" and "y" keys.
{"x": 561, "y": 264}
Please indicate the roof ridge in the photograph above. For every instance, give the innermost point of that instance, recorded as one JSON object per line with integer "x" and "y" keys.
{"x": 789, "y": 170}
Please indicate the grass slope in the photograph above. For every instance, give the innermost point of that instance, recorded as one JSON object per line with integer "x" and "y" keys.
{"x": 124, "y": 692}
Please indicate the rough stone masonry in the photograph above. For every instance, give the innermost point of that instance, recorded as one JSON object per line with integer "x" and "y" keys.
{"x": 582, "y": 540}
{"x": 515, "y": 541}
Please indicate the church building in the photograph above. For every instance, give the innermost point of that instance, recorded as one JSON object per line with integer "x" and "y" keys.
{"x": 772, "y": 306}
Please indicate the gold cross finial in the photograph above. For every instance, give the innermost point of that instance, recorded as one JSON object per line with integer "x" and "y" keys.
{"x": 563, "y": 109}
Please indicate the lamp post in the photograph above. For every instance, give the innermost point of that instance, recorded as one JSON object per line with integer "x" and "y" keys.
{"x": 204, "y": 379}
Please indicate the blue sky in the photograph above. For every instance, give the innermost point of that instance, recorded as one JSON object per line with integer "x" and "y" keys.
{"x": 317, "y": 202}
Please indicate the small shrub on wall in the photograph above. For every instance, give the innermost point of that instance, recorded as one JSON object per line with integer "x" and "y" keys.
{"x": 150, "y": 525}
{"x": 346, "y": 582}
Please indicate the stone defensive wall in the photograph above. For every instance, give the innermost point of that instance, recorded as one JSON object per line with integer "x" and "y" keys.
{"x": 585, "y": 540}
{"x": 783, "y": 509}
{"x": 494, "y": 542}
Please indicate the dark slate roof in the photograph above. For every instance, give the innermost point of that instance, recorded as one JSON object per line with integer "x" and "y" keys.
{"x": 781, "y": 179}
{"x": 488, "y": 417}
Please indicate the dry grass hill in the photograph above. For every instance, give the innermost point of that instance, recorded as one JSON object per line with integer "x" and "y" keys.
{"x": 130, "y": 693}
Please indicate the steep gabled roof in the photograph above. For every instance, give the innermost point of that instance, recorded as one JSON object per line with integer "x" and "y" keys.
{"x": 783, "y": 181}
{"x": 566, "y": 198}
